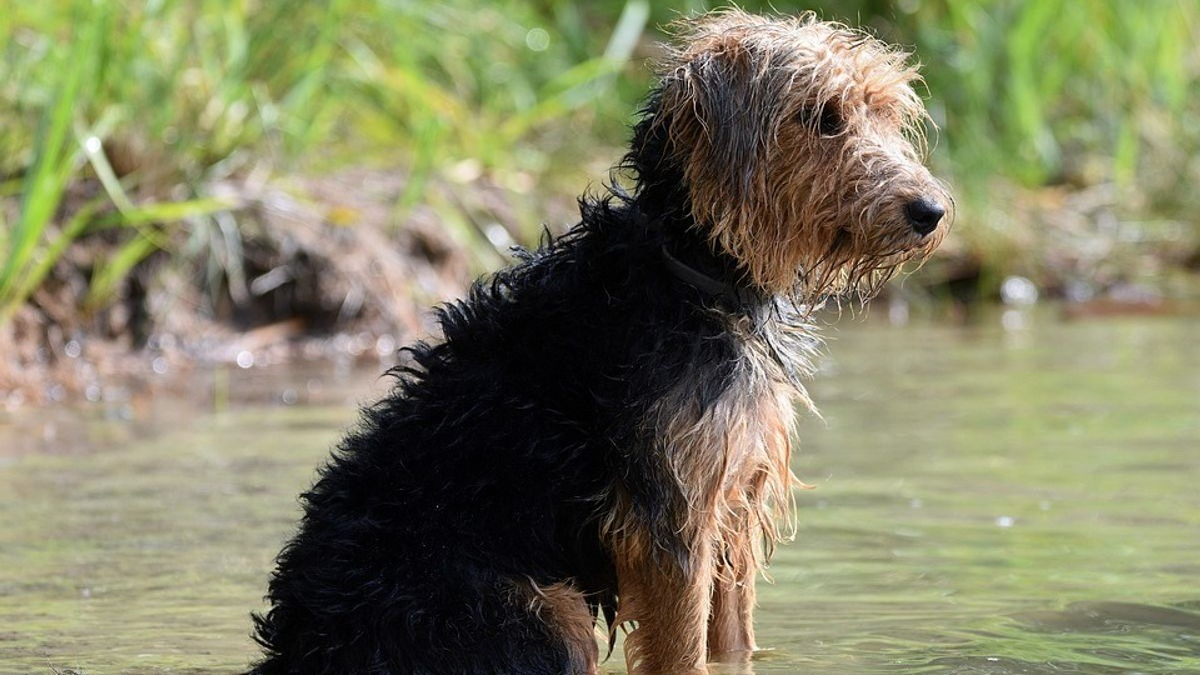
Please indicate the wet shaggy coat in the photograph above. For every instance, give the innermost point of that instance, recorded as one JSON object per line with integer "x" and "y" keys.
{"x": 603, "y": 429}
{"x": 498, "y": 464}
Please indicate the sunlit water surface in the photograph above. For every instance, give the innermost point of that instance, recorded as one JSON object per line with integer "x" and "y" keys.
{"x": 986, "y": 501}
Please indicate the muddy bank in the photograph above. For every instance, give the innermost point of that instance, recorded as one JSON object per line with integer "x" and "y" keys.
{"x": 331, "y": 268}
{"x": 303, "y": 269}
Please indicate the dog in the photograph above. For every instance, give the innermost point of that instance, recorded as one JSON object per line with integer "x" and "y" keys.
{"x": 603, "y": 430}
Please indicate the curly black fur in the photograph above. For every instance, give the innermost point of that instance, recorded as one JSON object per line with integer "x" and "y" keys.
{"x": 503, "y": 444}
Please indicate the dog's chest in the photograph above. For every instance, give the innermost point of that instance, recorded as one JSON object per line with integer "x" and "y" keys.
{"x": 735, "y": 451}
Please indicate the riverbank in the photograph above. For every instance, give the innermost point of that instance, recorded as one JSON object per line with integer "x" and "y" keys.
{"x": 310, "y": 272}
{"x": 318, "y": 270}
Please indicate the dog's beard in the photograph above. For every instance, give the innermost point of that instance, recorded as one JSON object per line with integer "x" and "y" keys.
{"x": 858, "y": 270}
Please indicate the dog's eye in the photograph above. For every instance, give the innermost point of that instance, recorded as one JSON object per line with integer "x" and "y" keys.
{"x": 830, "y": 122}
{"x": 825, "y": 119}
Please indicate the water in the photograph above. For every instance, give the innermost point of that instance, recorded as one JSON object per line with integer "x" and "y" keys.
{"x": 986, "y": 502}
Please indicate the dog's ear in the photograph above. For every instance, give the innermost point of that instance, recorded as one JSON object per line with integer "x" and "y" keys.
{"x": 718, "y": 108}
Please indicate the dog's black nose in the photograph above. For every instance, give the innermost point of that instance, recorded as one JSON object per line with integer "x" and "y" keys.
{"x": 924, "y": 215}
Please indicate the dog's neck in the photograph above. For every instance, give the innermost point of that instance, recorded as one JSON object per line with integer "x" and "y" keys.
{"x": 689, "y": 257}
{"x": 662, "y": 205}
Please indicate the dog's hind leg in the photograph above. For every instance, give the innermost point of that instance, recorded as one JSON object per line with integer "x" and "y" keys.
{"x": 468, "y": 621}
{"x": 569, "y": 620}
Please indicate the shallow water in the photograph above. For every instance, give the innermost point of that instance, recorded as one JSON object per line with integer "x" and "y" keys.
{"x": 986, "y": 501}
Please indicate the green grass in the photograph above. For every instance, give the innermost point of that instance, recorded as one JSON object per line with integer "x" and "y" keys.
{"x": 120, "y": 118}
{"x": 1037, "y": 85}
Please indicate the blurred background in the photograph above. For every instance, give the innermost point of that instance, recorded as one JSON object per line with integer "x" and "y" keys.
{"x": 195, "y": 191}
{"x": 214, "y": 179}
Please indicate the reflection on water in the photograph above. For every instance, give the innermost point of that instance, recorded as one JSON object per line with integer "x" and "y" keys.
{"x": 987, "y": 502}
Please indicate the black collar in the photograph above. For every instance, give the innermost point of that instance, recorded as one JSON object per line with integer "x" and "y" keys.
{"x": 691, "y": 260}
{"x": 734, "y": 297}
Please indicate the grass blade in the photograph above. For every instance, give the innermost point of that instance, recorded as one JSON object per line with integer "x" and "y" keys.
{"x": 55, "y": 159}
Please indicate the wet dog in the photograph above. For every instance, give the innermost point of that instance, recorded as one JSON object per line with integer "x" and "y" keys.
{"x": 603, "y": 430}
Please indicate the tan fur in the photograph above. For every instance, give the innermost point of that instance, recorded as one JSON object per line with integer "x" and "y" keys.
{"x": 564, "y": 609}
{"x": 730, "y": 464}
{"x": 668, "y": 605}
{"x": 731, "y": 617}
{"x": 804, "y": 213}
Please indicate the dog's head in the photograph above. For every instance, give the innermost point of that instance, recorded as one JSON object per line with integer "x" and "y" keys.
{"x": 800, "y": 143}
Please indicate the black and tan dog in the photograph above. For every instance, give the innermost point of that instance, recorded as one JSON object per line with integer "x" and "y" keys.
{"x": 603, "y": 429}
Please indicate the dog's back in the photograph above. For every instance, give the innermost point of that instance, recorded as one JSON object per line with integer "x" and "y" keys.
{"x": 489, "y": 473}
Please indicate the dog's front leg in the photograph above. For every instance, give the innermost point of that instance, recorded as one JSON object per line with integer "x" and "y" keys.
{"x": 731, "y": 623}
{"x": 670, "y": 602}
